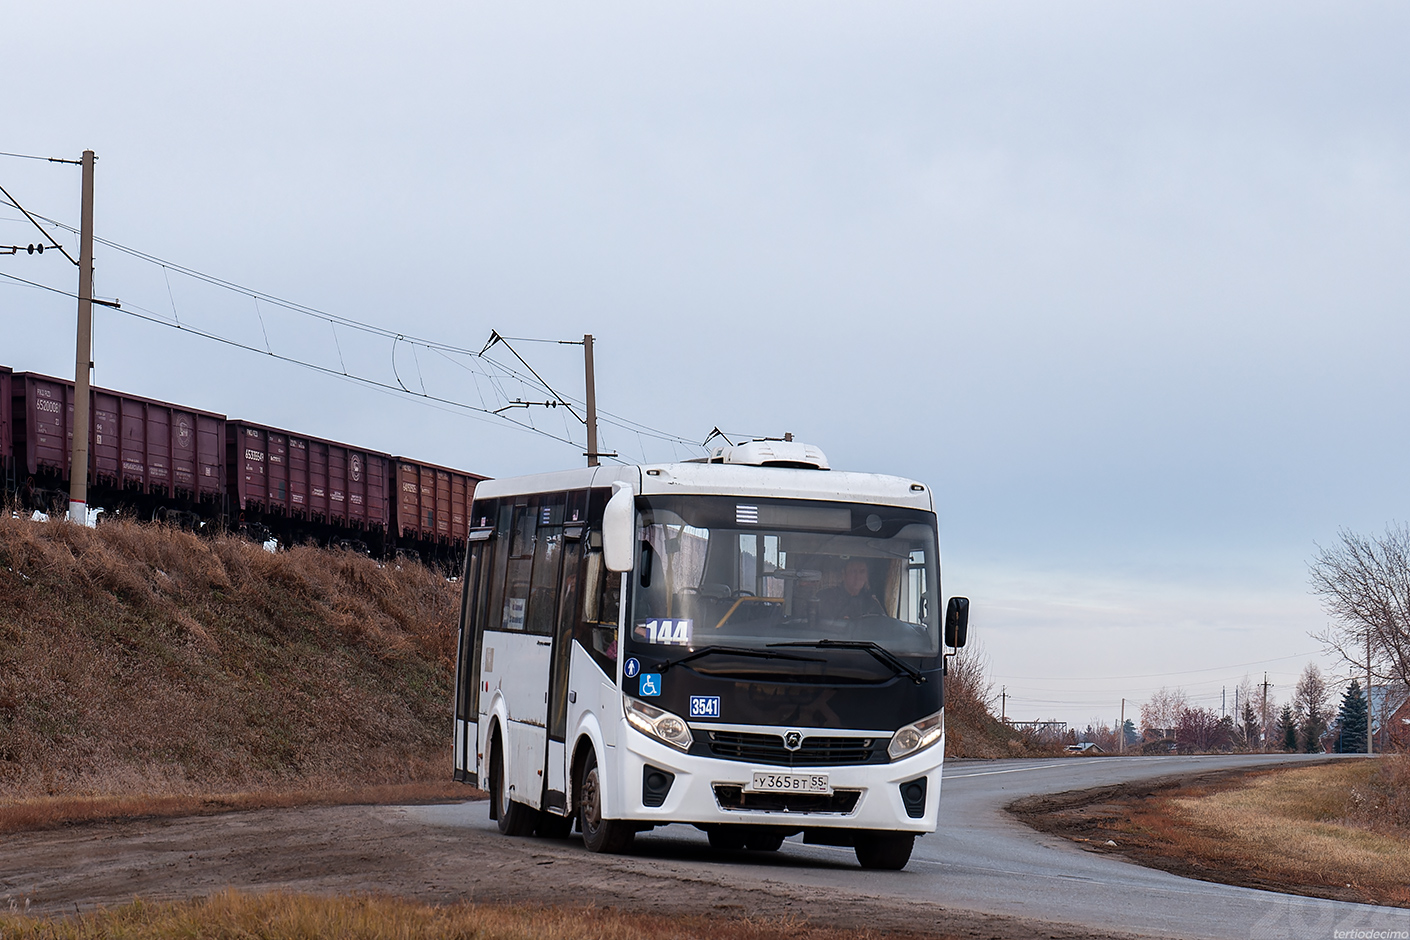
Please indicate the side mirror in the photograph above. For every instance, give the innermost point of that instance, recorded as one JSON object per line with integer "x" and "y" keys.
{"x": 619, "y": 528}
{"x": 957, "y": 621}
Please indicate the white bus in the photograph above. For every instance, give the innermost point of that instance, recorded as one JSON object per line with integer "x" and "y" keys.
{"x": 749, "y": 643}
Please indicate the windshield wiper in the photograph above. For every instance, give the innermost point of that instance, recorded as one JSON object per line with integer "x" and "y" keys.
{"x": 881, "y": 653}
{"x": 736, "y": 651}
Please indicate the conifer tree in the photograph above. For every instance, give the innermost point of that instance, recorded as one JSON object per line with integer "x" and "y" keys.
{"x": 1287, "y": 725}
{"x": 1351, "y": 736}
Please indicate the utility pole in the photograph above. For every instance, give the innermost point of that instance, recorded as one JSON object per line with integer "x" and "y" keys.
{"x": 1369, "y": 746}
{"x": 83, "y": 354}
{"x": 1264, "y": 730}
{"x": 1121, "y": 734}
{"x": 1004, "y": 705}
{"x": 591, "y": 401}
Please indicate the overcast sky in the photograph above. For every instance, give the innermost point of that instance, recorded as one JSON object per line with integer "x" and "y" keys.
{"x": 1124, "y": 282}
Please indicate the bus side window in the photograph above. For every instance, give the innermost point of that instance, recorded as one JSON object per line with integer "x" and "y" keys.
{"x": 548, "y": 562}
{"x": 597, "y": 628}
{"x": 520, "y": 568}
{"x": 493, "y": 571}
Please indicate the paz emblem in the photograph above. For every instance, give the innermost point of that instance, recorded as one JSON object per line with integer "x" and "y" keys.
{"x": 793, "y": 740}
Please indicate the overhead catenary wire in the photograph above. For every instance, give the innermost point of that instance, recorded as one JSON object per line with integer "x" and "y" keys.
{"x": 57, "y": 290}
{"x": 152, "y": 317}
{"x": 30, "y": 156}
{"x": 14, "y": 203}
{"x": 449, "y": 350}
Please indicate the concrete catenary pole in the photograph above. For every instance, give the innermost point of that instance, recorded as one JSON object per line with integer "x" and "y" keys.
{"x": 591, "y": 401}
{"x": 83, "y": 354}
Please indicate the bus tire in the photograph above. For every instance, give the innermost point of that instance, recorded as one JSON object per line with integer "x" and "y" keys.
{"x": 887, "y": 851}
{"x": 612, "y": 836}
{"x": 763, "y": 841}
{"x": 726, "y": 838}
{"x": 514, "y": 819}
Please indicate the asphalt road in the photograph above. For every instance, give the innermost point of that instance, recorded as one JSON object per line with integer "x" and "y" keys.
{"x": 983, "y": 860}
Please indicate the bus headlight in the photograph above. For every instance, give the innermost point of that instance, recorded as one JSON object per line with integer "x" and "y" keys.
{"x": 917, "y": 736}
{"x": 658, "y": 723}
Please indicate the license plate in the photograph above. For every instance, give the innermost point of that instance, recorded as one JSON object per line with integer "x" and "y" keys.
{"x": 764, "y": 781}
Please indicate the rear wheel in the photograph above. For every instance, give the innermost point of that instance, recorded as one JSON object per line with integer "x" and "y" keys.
{"x": 599, "y": 835}
{"x": 515, "y": 819}
{"x": 887, "y": 851}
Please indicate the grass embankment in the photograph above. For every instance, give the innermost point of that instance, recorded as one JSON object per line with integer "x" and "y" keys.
{"x": 1339, "y": 830}
{"x": 277, "y": 916}
{"x": 145, "y": 670}
{"x": 1342, "y": 827}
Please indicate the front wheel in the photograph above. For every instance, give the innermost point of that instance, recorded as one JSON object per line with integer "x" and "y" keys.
{"x": 599, "y": 835}
{"x": 887, "y": 851}
{"x": 725, "y": 838}
{"x": 763, "y": 842}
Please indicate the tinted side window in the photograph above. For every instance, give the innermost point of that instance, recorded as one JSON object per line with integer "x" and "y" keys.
{"x": 601, "y": 593}
{"x": 495, "y": 568}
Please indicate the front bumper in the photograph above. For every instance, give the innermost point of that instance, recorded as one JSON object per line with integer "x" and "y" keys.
{"x": 705, "y": 790}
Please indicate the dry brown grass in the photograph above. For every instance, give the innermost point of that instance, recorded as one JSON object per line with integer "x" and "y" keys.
{"x": 1294, "y": 827}
{"x": 1382, "y": 803}
{"x": 146, "y": 661}
{"x": 240, "y": 916}
{"x": 50, "y": 812}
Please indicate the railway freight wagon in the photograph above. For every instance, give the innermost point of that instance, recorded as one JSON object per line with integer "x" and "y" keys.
{"x": 147, "y": 457}
{"x": 7, "y": 444}
{"x": 299, "y": 488}
{"x": 161, "y": 461}
{"x": 432, "y": 509}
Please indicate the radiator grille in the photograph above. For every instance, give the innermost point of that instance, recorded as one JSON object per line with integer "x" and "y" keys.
{"x": 813, "y": 752}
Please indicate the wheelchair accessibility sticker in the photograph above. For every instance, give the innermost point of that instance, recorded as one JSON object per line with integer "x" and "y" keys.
{"x": 704, "y": 706}
{"x": 631, "y": 667}
{"x": 650, "y": 684}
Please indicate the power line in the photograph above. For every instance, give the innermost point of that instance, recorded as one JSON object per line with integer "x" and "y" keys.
{"x": 1161, "y": 675}
{"x": 30, "y": 156}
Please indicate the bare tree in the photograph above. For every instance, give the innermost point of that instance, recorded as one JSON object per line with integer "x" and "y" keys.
{"x": 1162, "y": 712}
{"x": 966, "y": 674}
{"x": 1364, "y": 583}
{"x": 1199, "y": 729}
{"x": 1310, "y": 704}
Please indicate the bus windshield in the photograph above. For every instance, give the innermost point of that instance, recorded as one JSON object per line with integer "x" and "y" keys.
{"x": 758, "y": 573}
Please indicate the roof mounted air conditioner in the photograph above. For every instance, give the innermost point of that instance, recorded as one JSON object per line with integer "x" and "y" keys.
{"x": 769, "y": 453}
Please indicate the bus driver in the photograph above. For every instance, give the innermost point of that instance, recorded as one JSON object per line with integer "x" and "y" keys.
{"x": 853, "y": 598}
